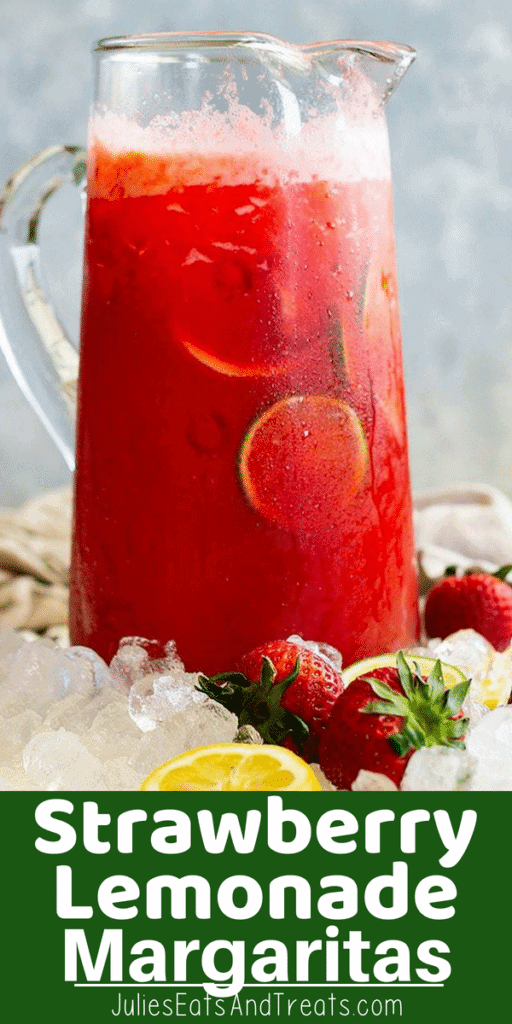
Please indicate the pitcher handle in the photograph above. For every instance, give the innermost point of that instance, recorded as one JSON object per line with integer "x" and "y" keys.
{"x": 40, "y": 355}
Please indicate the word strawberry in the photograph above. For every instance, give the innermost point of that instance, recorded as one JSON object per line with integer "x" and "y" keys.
{"x": 381, "y": 736}
{"x": 479, "y": 601}
{"x": 284, "y": 690}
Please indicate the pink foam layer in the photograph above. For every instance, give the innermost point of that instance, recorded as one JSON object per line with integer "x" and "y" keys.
{"x": 239, "y": 148}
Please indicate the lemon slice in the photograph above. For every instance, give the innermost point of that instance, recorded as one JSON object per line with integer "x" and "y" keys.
{"x": 233, "y": 767}
{"x": 451, "y": 675}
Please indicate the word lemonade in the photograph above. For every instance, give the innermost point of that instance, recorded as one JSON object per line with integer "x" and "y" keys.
{"x": 222, "y": 965}
{"x": 244, "y": 302}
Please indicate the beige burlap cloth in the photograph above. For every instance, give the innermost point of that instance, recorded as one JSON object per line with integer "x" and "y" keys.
{"x": 34, "y": 562}
{"x": 469, "y": 524}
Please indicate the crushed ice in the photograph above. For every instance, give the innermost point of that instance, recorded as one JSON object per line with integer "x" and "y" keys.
{"x": 70, "y": 721}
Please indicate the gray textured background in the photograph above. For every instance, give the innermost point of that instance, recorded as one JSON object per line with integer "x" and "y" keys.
{"x": 450, "y": 126}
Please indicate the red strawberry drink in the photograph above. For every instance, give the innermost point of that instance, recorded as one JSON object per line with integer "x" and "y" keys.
{"x": 242, "y": 458}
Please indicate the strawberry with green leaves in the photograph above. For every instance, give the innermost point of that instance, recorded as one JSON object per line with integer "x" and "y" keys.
{"x": 285, "y": 690}
{"x": 381, "y": 718}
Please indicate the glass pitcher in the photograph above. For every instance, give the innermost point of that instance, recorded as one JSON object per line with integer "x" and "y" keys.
{"x": 241, "y": 453}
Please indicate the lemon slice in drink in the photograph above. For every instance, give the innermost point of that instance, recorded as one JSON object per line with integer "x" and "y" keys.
{"x": 233, "y": 767}
{"x": 451, "y": 675}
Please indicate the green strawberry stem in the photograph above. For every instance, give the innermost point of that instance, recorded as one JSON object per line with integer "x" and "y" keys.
{"x": 500, "y": 574}
{"x": 258, "y": 704}
{"x": 428, "y": 708}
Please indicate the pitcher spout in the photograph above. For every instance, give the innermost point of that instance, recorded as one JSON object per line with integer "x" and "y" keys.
{"x": 383, "y": 64}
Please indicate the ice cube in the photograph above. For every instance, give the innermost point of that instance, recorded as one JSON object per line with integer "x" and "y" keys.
{"x": 473, "y": 710}
{"x": 87, "y": 672}
{"x": 490, "y": 672}
{"x": 16, "y": 731}
{"x": 325, "y": 651}
{"x": 490, "y": 742}
{"x": 37, "y": 674}
{"x": 77, "y": 712}
{"x": 466, "y": 650}
{"x": 198, "y": 726}
{"x": 373, "y": 782}
{"x": 112, "y": 733}
{"x": 156, "y": 747}
{"x": 29, "y": 678}
{"x": 438, "y": 770}
{"x": 58, "y": 760}
{"x": 137, "y": 657}
{"x": 418, "y": 652}
{"x": 155, "y": 699}
{"x": 120, "y": 776}
{"x": 247, "y": 734}
{"x": 72, "y": 713}
{"x": 130, "y": 661}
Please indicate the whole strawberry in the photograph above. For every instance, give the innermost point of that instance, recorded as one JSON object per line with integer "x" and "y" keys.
{"x": 381, "y": 735}
{"x": 283, "y": 689}
{"x": 479, "y": 601}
